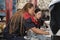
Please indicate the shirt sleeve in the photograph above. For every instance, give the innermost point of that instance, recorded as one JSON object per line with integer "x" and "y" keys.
{"x": 41, "y": 21}
{"x": 29, "y": 24}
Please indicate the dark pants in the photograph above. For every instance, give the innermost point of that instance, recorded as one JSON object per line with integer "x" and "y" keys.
{"x": 16, "y": 38}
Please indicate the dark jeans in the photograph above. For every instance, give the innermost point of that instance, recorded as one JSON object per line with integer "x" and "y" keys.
{"x": 16, "y": 38}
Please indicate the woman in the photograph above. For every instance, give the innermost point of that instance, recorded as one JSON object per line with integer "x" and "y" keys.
{"x": 20, "y": 23}
{"x": 38, "y": 22}
{"x": 31, "y": 22}
{"x": 38, "y": 17}
{"x": 15, "y": 29}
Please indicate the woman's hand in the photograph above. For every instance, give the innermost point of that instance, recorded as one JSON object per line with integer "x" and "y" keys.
{"x": 46, "y": 33}
{"x": 39, "y": 31}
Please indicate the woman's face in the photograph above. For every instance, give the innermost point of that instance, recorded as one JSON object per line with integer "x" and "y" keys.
{"x": 38, "y": 15}
{"x": 31, "y": 10}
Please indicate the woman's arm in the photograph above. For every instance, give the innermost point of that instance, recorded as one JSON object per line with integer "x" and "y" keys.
{"x": 30, "y": 25}
{"x": 39, "y": 31}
